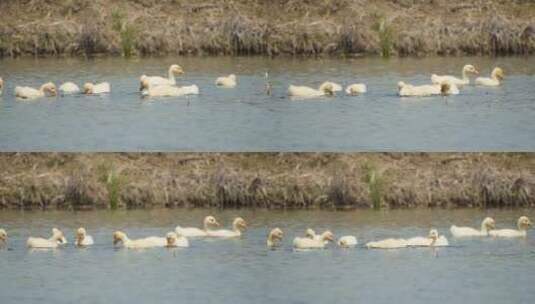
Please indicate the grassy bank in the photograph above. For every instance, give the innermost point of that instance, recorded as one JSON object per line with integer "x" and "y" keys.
{"x": 264, "y": 180}
{"x": 247, "y": 27}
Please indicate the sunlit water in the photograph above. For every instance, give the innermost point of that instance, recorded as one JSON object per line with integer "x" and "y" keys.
{"x": 245, "y": 271}
{"x": 245, "y": 119}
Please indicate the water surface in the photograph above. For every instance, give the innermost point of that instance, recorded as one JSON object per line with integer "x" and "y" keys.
{"x": 244, "y": 271}
{"x": 245, "y": 119}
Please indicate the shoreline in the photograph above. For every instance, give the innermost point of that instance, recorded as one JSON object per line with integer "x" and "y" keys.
{"x": 290, "y": 181}
{"x": 253, "y": 27}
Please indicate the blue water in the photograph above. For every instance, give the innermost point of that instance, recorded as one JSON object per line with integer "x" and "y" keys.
{"x": 245, "y": 271}
{"x": 245, "y": 119}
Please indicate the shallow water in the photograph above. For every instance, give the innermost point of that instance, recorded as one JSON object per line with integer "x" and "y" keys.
{"x": 245, "y": 119}
{"x": 244, "y": 271}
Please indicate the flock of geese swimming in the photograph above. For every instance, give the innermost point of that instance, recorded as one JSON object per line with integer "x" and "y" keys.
{"x": 157, "y": 86}
{"x": 311, "y": 240}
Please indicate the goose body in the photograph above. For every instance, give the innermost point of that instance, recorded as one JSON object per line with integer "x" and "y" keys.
{"x": 495, "y": 79}
{"x": 523, "y": 225}
{"x": 82, "y": 239}
{"x": 356, "y": 89}
{"x": 53, "y": 242}
{"x": 388, "y": 244}
{"x": 303, "y": 91}
{"x": 433, "y": 240}
{"x": 335, "y": 87}
{"x": 3, "y": 237}
{"x": 208, "y": 222}
{"x": 487, "y": 224}
{"x": 313, "y": 243}
{"x": 174, "y": 70}
{"x": 227, "y": 81}
{"x": 69, "y": 88}
{"x": 99, "y": 88}
{"x": 408, "y": 90}
{"x": 148, "y": 242}
{"x": 175, "y": 240}
{"x": 170, "y": 90}
{"x": 274, "y": 237}
{"x": 47, "y": 89}
{"x": 238, "y": 225}
{"x": 347, "y": 241}
{"x": 465, "y": 80}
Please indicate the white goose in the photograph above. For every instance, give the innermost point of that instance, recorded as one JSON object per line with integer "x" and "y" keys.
{"x": 347, "y": 241}
{"x": 432, "y": 240}
{"x": 1, "y": 86}
{"x": 3, "y": 237}
{"x": 465, "y": 80}
{"x": 408, "y": 90}
{"x": 238, "y": 225}
{"x": 82, "y": 239}
{"x": 69, "y": 88}
{"x": 226, "y": 82}
{"x": 274, "y": 237}
{"x": 336, "y": 87}
{"x": 47, "y": 89}
{"x": 356, "y": 89}
{"x": 165, "y": 90}
{"x": 523, "y": 225}
{"x": 99, "y": 88}
{"x": 306, "y": 92}
{"x": 174, "y": 70}
{"x": 487, "y": 224}
{"x": 175, "y": 240}
{"x": 313, "y": 243}
{"x": 148, "y": 242}
{"x": 311, "y": 234}
{"x": 495, "y": 79}
{"x": 388, "y": 244}
{"x": 208, "y": 222}
{"x": 53, "y": 242}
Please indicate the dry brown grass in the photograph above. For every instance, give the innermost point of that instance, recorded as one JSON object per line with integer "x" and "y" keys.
{"x": 266, "y": 180}
{"x": 250, "y": 27}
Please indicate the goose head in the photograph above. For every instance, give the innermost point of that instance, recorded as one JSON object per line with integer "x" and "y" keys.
{"x": 239, "y": 224}
{"x": 498, "y": 74}
{"x": 327, "y": 88}
{"x": 57, "y": 235}
{"x": 3, "y": 236}
{"x": 88, "y": 88}
{"x": 49, "y": 88}
{"x": 275, "y": 236}
{"x": 176, "y": 69}
{"x": 171, "y": 238}
{"x": 310, "y": 233}
{"x": 80, "y": 235}
{"x": 210, "y": 221}
{"x": 470, "y": 69}
{"x": 433, "y": 234}
{"x": 232, "y": 77}
{"x": 119, "y": 237}
{"x": 401, "y": 84}
{"x": 488, "y": 224}
{"x": 445, "y": 88}
{"x": 524, "y": 223}
{"x": 327, "y": 236}
{"x": 143, "y": 83}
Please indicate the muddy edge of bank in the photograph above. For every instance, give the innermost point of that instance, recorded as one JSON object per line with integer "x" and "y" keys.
{"x": 266, "y": 180}
{"x": 258, "y": 27}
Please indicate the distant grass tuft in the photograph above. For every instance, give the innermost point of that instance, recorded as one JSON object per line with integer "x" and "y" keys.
{"x": 375, "y": 183}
